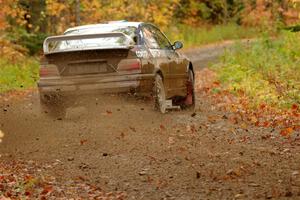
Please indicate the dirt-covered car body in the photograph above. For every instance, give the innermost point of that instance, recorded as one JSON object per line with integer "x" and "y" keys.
{"x": 107, "y": 57}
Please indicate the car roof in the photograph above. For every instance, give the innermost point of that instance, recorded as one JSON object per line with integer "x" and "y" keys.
{"x": 109, "y": 24}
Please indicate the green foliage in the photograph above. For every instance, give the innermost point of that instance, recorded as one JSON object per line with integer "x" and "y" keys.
{"x": 203, "y": 35}
{"x": 31, "y": 41}
{"x": 268, "y": 70}
{"x": 15, "y": 76}
{"x": 210, "y": 11}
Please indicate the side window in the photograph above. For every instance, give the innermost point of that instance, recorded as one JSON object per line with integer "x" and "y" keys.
{"x": 154, "y": 38}
{"x": 149, "y": 38}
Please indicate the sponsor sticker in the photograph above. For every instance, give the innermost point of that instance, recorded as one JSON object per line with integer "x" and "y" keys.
{"x": 142, "y": 54}
{"x": 155, "y": 53}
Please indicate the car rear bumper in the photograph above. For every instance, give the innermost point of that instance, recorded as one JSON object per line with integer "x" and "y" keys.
{"x": 92, "y": 83}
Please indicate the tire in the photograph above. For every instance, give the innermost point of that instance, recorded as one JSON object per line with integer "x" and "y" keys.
{"x": 52, "y": 106}
{"x": 159, "y": 94}
{"x": 190, "y": 99}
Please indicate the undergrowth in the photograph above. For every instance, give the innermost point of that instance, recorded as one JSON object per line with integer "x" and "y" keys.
{"x": 21, "y": 74}
{"x": 267, "y": 70}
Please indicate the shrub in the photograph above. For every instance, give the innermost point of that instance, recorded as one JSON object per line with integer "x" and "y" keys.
{"x": 267, "y": 70}
{"x": 15, "y": 76}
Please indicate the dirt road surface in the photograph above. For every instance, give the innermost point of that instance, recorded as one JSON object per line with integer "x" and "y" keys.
{"x": 120, "y": 143}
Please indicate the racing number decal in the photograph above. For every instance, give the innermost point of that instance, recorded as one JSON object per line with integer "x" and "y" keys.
{"x": 142, "y": 54}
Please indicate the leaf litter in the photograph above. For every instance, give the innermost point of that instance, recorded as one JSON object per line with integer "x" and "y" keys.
{"x": 242, "y": 109}
{"x": 28, "y": 180}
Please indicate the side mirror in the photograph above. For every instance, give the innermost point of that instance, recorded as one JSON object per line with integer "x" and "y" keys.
{"x": 177, "y": 45}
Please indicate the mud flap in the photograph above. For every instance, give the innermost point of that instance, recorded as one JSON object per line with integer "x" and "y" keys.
{"x": 170, "y": 106}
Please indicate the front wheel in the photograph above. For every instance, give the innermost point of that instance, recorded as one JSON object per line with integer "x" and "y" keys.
{"x": 159, "y": 94}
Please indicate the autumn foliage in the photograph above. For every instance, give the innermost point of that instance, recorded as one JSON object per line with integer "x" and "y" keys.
{"x": 27, "y": 23}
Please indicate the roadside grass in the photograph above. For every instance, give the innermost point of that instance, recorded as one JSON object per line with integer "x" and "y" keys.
{"x": 18, "y": 75}
{"x": 197, "y": 36}
{"x": 267, "y": 71}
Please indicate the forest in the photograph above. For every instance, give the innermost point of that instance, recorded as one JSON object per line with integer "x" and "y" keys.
{"x": 24, "y": 24}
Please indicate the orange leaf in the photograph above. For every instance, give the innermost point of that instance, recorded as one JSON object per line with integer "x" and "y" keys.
{"x": 108, "y": 112}
{"x": 46, "y": 190}
{"x": 217, "y": 83}
{"x": 27, "y": 193}
{"x": 83, "y": 141}
{"x": 253, "y": 119}
{"x": 286, "y": 132}
{"x": 295, "y": 107}
{"x": 266, "y": 124}
{"x": 256, "y": 123}
{"x": 132, "y": 128}
{"x": 262, "y": 106}
{"x": 162, "y": 127}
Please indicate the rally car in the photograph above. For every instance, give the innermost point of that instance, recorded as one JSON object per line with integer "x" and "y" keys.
{"x": 114, "y": 57}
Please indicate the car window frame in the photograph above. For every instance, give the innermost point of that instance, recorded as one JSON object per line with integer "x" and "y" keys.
{"x": 169, "y": 47}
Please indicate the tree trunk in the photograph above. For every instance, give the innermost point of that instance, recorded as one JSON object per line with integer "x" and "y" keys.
{"x": 77, "y": 12}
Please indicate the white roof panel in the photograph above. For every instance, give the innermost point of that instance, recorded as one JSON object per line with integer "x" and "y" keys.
{"x": 117, "y": 23}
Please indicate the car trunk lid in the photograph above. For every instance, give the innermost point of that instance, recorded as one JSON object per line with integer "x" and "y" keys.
{"x": 87, "y": 62}
{"x": 87, "y": 54}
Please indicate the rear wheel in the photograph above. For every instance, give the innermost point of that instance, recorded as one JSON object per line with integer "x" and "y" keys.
{"x": 159, "y": 94}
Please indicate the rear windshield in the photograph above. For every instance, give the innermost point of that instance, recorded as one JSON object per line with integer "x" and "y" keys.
{"x": 113, "y": 41}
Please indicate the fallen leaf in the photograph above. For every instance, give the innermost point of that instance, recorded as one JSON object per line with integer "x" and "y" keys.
{"x": 1, "y": 134}
{"x": 244, "y": 125}
{"x": 238, "y": 196}
{"x": 266, "y": 124}
{"x": 122, "y": 134}
{"x": 83, "y": 141}
{"x": 198, "y": 175}
{"x": 286, "y": 132}
{"x": 253, "y": 185}
{"x": 295, "y": 107}
{"x": 162, "y": 127}
{"x": 295, "y": 173}
{"x": 47, "y": 189}
{"x": 171, "y": 140}
{"x": 263, "y": 106}
{"x": 108, "y": 112}
{"x": 132, "y": 128}
{"x": 105, "y": 154}
{"x": 27, "y": 193}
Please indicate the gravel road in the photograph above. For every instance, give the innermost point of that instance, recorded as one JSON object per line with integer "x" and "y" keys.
{"x": 120, "y": 143}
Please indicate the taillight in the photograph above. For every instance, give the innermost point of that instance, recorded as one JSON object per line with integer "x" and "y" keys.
{"x": 48, "y": 71}
{"x": 129, "y": 64}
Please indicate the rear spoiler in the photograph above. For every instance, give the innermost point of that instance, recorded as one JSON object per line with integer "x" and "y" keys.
{"x": 58, "y": 38}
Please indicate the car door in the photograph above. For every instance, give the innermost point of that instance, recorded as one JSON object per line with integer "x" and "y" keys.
{"x": 160, "y": 51}
{"x": 175, "y": 78}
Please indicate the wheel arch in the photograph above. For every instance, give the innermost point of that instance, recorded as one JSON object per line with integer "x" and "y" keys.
{"x": 190, "y": 67}
{"x": 159, "y": 72}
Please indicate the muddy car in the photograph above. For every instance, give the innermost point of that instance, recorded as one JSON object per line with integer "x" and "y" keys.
{"x": 114, "y": 57}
